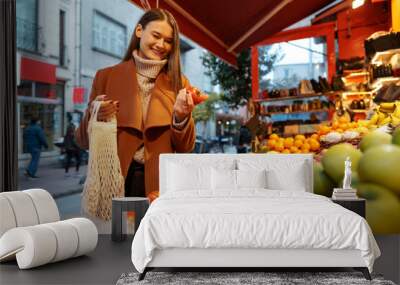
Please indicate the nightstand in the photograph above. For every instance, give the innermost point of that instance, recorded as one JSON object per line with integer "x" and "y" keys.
{"x": 355, "y": 205}
{"x": 120, "y": 205}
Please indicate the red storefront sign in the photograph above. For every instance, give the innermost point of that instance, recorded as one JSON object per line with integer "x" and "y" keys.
{"x": 78, "y": 96}
{"x": 38, "y": 71}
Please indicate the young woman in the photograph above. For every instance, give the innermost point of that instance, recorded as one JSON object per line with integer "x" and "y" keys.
{"x": 147, "y": 93}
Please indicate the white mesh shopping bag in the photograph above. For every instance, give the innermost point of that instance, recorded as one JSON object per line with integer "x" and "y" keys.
{"x": 104, "y": 179}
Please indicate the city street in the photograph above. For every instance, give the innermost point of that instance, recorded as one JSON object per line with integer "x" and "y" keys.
{"x": 69, "y": 206}
{"x": 65, "y": 190}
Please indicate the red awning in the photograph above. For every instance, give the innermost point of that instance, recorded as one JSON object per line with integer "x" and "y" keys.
{"x": 35, "y": 70}
{"x": 227, "y": 27}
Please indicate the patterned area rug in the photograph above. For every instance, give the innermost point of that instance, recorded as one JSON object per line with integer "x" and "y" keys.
{"x": 231, "y": 278}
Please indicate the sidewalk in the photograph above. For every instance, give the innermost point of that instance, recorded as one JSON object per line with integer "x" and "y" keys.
{"x": 52, "y": 179}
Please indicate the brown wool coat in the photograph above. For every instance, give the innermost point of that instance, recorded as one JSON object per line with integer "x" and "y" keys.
{"x": 119, "y": 82}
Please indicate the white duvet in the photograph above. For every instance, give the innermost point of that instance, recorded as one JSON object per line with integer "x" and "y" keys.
{"x": 253, "y": 218}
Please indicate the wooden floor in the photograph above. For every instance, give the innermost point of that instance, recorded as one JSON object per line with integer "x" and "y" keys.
{"x": 102, "y": 266}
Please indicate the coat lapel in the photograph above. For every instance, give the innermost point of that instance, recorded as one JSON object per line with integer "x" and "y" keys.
{"x": 161, "y": 104}
{"x": 123, "y": 86}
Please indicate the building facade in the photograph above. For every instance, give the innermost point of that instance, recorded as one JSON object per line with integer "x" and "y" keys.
{"x": 45, "y": 68}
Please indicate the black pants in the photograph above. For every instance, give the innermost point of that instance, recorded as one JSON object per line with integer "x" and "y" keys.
{"x": 69, "y": 155}
{"x": 134, "y": 181}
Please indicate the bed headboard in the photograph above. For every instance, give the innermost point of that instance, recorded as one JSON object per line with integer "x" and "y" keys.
{"x": 211, "y": 159}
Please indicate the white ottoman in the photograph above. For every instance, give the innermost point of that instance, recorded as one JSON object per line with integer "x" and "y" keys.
{"x": 31, "y": 232}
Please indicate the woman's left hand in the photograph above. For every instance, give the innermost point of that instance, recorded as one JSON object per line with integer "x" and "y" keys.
{"x": 183, "y": 105}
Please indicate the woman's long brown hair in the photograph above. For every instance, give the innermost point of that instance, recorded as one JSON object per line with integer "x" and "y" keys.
{"x": 174, "y": 59}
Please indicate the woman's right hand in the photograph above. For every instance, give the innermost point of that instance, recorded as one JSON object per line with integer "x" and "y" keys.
{"x": 108, "y": 108}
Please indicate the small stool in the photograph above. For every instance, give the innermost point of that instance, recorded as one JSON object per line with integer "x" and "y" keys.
{"x": 119, "y": 205}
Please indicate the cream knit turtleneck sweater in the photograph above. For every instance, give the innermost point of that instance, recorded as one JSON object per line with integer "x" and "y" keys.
{"x": 146, "y": 71}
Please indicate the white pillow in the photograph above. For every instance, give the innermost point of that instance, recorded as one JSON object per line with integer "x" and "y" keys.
{"x": 204, "y": 161}
{"x": 194, "y": 174}
{"x": 183, "y": 177}
{"x": 223, "y": 179}
{"x": 293, "y": 180}
{"x": 283, "y": 173}
{"x": 251, "y": 178}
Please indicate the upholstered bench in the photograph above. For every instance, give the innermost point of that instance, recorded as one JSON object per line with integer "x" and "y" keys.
{"x": 31, "y": 231}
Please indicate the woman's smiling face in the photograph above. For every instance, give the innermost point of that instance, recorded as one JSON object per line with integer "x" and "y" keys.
{"x": 156, "y": 40}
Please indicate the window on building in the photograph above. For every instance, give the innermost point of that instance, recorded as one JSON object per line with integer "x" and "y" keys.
{"x": 45, "y": 90}
{"x": 38, "y": 90}
{"x": 25, "y": 88}
{"x": 62, "y": 47}
{"x": 27, "y": 25}
{"x": 45, "y": 102}
{"x": 108, "y": 35}
{"x": 49, "y": 116}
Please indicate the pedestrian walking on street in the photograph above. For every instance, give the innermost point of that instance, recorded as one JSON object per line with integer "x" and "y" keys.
{"x": 72, "y": 150}
{"x": 35, "y": 140}
{"x": 244, "y": 139}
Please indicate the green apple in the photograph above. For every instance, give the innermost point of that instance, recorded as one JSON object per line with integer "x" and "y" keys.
{"x": 333, "y": 160}
{"x": 383, "y": 208}
{"x": 323, "y": 185}
{"x": 381, "y": 165}
{"x": 396, "y": 137}
{"x": 375, "y": 138}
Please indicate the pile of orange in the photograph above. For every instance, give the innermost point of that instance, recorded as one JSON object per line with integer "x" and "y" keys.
{"x": 297, "y": 144}
{"x": 340, "y": 126}
{"x": 302, "y": 144}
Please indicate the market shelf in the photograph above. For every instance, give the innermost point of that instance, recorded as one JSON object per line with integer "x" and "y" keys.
{"x": 353, "y": 93}
{"x": 357, "y": 110}
{"x": 303, "y": 96}
{"x": 297, "y": 112}
{"x": 382, "y": 80}
{"x": 356, "y": 77}
{"x": 384, "y": 56}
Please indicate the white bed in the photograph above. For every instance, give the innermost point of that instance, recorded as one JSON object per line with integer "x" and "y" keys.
{"x": 201, "y": 223}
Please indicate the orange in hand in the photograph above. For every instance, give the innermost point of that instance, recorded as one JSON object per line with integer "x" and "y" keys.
{"x": 197, "y": 96}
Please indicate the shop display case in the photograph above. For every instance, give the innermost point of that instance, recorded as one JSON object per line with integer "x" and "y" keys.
{"x": 295, "y": 114}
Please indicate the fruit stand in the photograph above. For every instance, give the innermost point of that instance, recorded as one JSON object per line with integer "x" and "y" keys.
{"x": 362, "y": 122}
